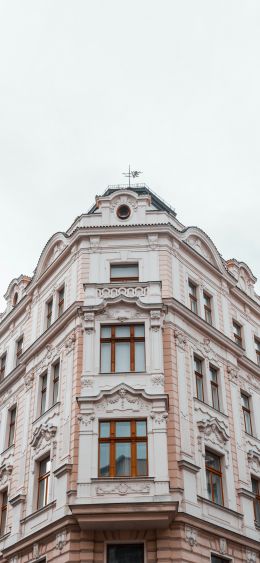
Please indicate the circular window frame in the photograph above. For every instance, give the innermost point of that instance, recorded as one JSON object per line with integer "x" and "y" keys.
{"x": 125, "y": 217}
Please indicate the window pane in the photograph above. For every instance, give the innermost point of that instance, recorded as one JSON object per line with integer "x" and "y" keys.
{"x": 124, "y": 271}
{"x": 43, "y": 402}
{"x": 139, "y": 356}
{"x": 122, "y": 331}
{"x": 245, "y": 401}
{"x": 139, "y": 330}
{"x": 198, "y": 365}
{"x": 104, "y": 460}
{"x": 140, "y": 428}
{"x": 3, "y": 522}
{"x": 257, "y": 511}
{"x": 193, "y": 306}
{"x": 215, "y": 401}
{"x": 123, "y": 429}
{"x": 55, "y": 391}
{"x": 213, "y": 374}
{"x": 141, "y": 463}
{"x": 248, "y": 427}
{"x": 255, "y": 486}
{"x": 122, "y": 356}
{"x": 212, "y": 460}
{"x": 44, "y": 466}
{"x": 105, "y": 332}
{"x": 123, "y": 459}
{"x": 200, "y": 388}
{"x": 125, "y": 553}
{"x": 11, "y": 436}
{"x": 208, "y": 476}
{"x": 104, "y": 429}
{"x": 105, "y": 357}
{"x": 217, "y": 488}
{"x": 42, "y": 493}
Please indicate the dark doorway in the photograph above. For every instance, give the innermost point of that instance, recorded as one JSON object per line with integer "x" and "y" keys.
{"x": 125, "y": 553}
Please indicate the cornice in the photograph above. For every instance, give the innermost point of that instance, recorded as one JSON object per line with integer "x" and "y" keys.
{"x": 205, "y": 526}
{"x": 38, "y": 344}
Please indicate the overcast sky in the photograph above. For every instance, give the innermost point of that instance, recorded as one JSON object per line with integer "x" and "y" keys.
{"x": 171, "y": 86}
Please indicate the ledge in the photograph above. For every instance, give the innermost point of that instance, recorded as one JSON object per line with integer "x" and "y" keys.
{"x": 41, "y": 417}
{"x": 63, "y": 469}
{"x": 37, "y": 512}
{"x": 17, "y": 499}
{"x": 185, "y": 464}
{"x": 220, "y": 507}
{"x": 245, "y": 493}
{"x": 125, "y": 516}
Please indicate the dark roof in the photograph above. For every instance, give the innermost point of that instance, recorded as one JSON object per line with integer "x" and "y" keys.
{"x": 139, "y": 189}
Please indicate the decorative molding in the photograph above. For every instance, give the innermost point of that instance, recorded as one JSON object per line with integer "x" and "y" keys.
{"x": 222, "y": 546}
{"x": 70, "y": 342}
{"x": 87, "y": 381}
{"x": 157, "y": 380}
{"x": 61, "y": 540}
{"x": 29, "y": 379}
{"x": 86, "y": 419}
{"x": 253, "y": 456}
{"x": 250, "y": 556}
{"x": 180, "y": 340}
{"x": 14, "y": 559}
{"x": 206, "y": 350}
{"x": 88, "y": 320}
{"x": 123, "y": 400}
{"x": 43, "y": 433}
{"x": 213, "y": 432}
{"x": 152, "y": 241}
{"x": 155, "y": 319}
{"x": 94, "y": 242}
{"x": 122, "y": 489}
{"x": 191, "y": 536}
{"x": 160, "y": 419}
{"x": 36, "y": 551}
{"x": 233, "y": 373}
{"x": 5, "y": 472}
{"x": 131, "y": 292}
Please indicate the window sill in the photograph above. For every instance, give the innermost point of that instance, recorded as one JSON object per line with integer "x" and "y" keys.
{"x": 9, "y": 449}
{"x": 221, "y": 507}
{"x": 120, "y": 373}
{"x": 36, "y": 513}
{"x": 210, "y": 406}
{"x": 46, "y": 412}
{"x": 4, "y": 536}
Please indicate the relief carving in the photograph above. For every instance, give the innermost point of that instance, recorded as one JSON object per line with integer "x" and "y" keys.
{"x": 191, "y": 536}
{"x": 250, "y": 556}
{"x": 214, "y": 433}
{"x": 61, "y": 540}
{"x": 112, "y": 292}
{"x": 86, "y": 419}
{"x": 28, "y": 380}
{"x": 87, "y": 381}
{"x": 160, "y": 419}
{"x": 253, "y": 456}
{"x": 157, "y": 380}
{"x": 233, "y": 373}
{"x": 43, "y": 433}
{"x": 123, "y": 400}
{"x": 70, "y": 342}
{"x": 180, "y": 339}
{"x": 122, "y": 489}
{"x": 222, "y": 546}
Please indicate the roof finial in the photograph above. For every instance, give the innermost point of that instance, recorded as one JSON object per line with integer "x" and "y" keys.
{"x": 131, "y": 174}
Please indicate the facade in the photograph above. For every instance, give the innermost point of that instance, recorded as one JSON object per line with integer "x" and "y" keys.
{"x": 130, "y": 395}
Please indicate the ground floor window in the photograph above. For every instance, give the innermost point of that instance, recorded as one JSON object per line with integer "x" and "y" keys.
{"x": 125, "y": 553}
{"x": 217, "y": 559}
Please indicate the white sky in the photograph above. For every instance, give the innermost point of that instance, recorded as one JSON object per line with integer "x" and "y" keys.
{"x": 171, "y": 86}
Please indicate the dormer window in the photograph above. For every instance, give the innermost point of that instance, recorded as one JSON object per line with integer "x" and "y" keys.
{"x": 124, "y": 273}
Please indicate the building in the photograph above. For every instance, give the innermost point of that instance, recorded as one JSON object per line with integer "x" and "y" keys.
{"x": 130, "y": 395}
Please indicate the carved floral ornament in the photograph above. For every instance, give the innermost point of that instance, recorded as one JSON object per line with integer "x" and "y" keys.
{"x": 214, "y": 433}
{"x": 43, "y": 434}
{"x": 205, "y": 348}
{"x": 123, "y": 400}
{"x": 122, "y": 489}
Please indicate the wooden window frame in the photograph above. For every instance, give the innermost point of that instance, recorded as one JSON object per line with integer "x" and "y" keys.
{"x": 248, "y": 411}
{"x": 257, "y": 349}
{"x": 4, "y": 503}
{"x": 219, "y": 473}
{"x": 61, "y": 295}
{"x": 43, "y": 477}
{"x": 112, "y": 440}
{"x": 215, "y": 385}
{"x": 238, "y": 337}
{"x": 3, "y": 365}
{"x": 193, "y": 296}
{"x": 49, "y": 306}
{"x": 113, "y": 339}
{"x": 12, "y": 423}
{"x": 55, "y": 379}
{"x": 125, "y": 278}
{"x": 43, "y": 391}
{"x": 19, "y": 348}
{"x": 256, "y": 497}
{"x": 207, "y": 308}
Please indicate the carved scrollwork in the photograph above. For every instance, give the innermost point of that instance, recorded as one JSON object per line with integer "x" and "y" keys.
{"x": 157, "y": 380}
{"x": 43, "y": 433}
{"x": 122, "y": 489}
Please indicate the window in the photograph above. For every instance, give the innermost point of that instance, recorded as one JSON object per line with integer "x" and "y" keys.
{"x": 61, "y": 301}
{"x": 2, "y": 366}
{"x": 217, "y": 559}
{"x": 4, "y": 500}
{"x": 257, "y": 349}
{"x": 122, "y": 348}
{"x": 122, "y": 448}
{"x": 43, "y": 482}
{"x": 123, "y": 212}
{"x": 256, "y": 491}
{"x": 12, "y": 417}
{"x": 193, "y": 297}
{"x": 49, "y": 307}
{"x": 237, "y": 333}
{"x": 198, "y": 367}
{"x": 126, "y": 553}
{"x": 214, "y": 478}
{"x": 124, "y": 272}
{"x": 246, "y": 413}
{"x": 43, "y": 398}
{"x": 19, "y": 349}
{"x": 214, "y": 387}
{"x": 207, "y": 307}
{"x": 56, "y": 377}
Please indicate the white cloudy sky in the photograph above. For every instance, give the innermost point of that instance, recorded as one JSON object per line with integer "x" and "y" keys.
{"x": 172, "y": 86}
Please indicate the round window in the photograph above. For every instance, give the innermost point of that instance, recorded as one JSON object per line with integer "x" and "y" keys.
{"x": 123, "y": 212}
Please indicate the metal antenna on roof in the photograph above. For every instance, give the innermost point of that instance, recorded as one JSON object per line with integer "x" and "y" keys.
{"x": 131, "y": 174}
